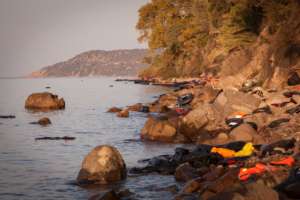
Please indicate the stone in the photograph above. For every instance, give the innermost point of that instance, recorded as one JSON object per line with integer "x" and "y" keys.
{"x": 244, "y": 132}
{"x": 114, "y": 110}
{"x": 135, "y": 108}
{"x": 192, "y": 186}
{"x": 110, "y": 195}
{"x": 44, "y": 101}
{"x": 123, "y": 114}
{"x": 203, "y": 119}
{"x": 103, "y": 165}
{"x": 159, "y": 130}
{"x": 294, "y": 79}
{"x": 44, "y": 121}
{"x": 185, "y": 172}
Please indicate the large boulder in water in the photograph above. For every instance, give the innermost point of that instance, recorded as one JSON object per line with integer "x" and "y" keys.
{"x": 44, "y": 101}
{"x": 103, "y": 165}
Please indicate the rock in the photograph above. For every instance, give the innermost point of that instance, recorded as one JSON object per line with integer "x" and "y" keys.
{"x": 185, "y": 172}
{"x": 277, "y": 122}
{"x": 186, "y": 197}
{"x": 244, "y": 132}
{"x": 114, "y": 110}
{"x": 277, "y": 99}
{"x": 123, "y": 114}
{"x": 56, "y": 138}
{"x": 7, "y": 116}
{"x": 44, "y": 101}
{"x": 202, "y": 120}
{"x": 135, "y": 108}
{"x": 224, "y": 182}
{"x": 234, "y": 101}
{"x": 159, "y": 130}
{"x": 44, "y": 121}
{"x": 192, "y": 186}
{"x": 110, "y": 195}
{"x": 103, "y": 165}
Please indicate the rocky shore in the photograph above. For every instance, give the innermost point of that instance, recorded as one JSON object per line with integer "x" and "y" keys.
{"x": 246, "y": 140}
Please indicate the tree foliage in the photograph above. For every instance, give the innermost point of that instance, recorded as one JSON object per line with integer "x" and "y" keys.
{"x": 182, "y": 33}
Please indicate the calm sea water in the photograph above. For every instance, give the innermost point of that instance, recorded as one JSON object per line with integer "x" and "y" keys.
{"x": 32, "y": 169}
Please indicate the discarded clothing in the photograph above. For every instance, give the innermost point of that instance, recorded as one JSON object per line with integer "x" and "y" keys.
{"x": 277, "y": 122}
{"x": 235, "y": 146}
{"x": 185, "y": 99}
{"x": 246, "y": 173}
{"x": 225, "y": 153}
{"x": 289, "y": 161}
{"x": 234, "y": 122}
{"x": 145, "y": 109}
{"x": 271, "y": 148}
{"x": 246, "y": 151}
{"x": 182, "y": 111}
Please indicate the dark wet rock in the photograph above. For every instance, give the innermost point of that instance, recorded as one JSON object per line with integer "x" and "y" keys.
{"x": 103, "y": 165}
{"x": 185, "y": 172}
{"x": 123, "y": 114}
{"x": 290, "y": 187}
{"x": 110, "y": 195}
{"x": 160, "y": 164}
{"x": 244, "y": 132}
{"x": 56, "y": 138}
{"x": 43, "y": 121}
{"x": 48, "y": 87}
{"x": 114, "y": 110}
{"x": 7, "y": 116}
{"x": 44, "y": 101}
{"x": 187, "y": 197}
{"x": 278, "y": 122}
{"x": 124, "y": 194}
{"x": 294, "y": 79}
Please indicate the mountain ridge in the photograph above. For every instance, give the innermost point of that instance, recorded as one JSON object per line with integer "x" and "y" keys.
{"x": 119, "y": 62}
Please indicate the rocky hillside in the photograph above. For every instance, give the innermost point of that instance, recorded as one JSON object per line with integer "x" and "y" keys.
{"x": 233, "y": 40}
{"x": 97, "y": 63}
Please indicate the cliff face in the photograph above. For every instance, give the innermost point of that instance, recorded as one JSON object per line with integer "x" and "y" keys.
{"x": 97, "y": 63}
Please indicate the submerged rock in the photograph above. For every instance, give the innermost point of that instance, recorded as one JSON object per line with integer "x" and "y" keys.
{"x": 7, "y": 116}
{"x": 43, "y": 121}
{"x": 44, "y": 101}
{"x": 123, "y": 114}
{"x": 103, "y": 165}
{"x": 114, "y": 110}
{"x": 56, "y": 138}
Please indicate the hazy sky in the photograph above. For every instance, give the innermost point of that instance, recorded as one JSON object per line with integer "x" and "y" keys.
{"x": 37, "y": 33}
